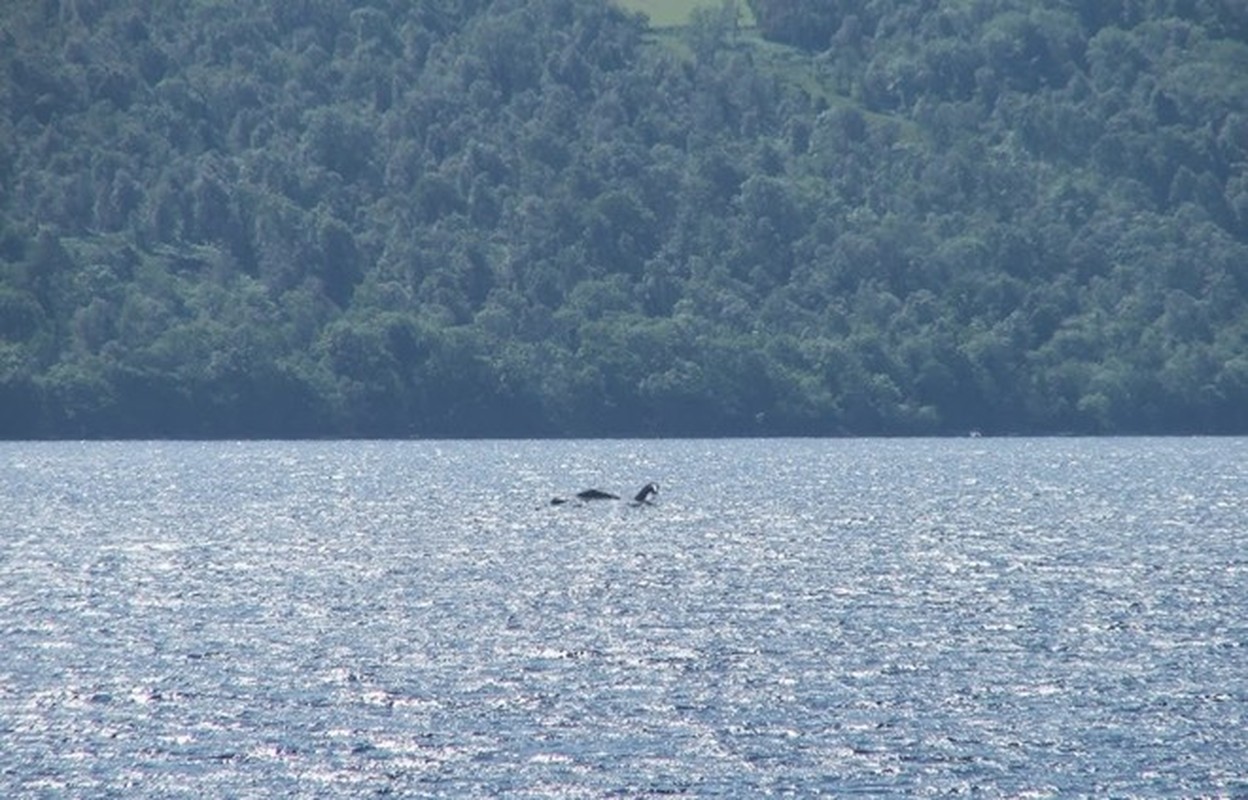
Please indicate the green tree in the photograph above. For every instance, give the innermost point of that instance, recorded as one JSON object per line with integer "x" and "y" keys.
{"x": 806, "y": 23}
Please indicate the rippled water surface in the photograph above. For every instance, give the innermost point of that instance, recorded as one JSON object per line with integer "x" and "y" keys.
{"x": 1002, "y": 617}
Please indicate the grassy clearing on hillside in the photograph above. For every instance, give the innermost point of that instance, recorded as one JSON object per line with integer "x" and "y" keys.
{"x": 786, "y": 63}
{"x": 671, "y": 13}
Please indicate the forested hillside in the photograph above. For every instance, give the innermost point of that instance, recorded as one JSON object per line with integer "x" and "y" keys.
{"x": 541, "y": 217}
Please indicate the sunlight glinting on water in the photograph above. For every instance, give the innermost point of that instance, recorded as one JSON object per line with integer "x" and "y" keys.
{"x": 1012, "y": 618}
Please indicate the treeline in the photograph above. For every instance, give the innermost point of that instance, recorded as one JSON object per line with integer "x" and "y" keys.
{"x": 538, "y": 217}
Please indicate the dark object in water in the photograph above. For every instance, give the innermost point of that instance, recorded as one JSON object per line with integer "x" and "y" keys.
{"x": 646, "y": 491}
{"x": 643, "y": 496}
{"x": 597, "y": 494}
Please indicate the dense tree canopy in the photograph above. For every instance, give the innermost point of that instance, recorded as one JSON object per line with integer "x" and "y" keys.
{"x": 540, "y": 217}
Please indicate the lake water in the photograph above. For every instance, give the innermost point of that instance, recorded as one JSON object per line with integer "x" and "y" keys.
{"x": 1001, "y": 617}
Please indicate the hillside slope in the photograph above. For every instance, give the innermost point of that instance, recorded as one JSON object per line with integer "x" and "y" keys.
{"x": 492, "y": 217}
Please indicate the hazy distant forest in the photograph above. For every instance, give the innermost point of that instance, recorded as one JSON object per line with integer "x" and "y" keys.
{"x": 288, "y": 218}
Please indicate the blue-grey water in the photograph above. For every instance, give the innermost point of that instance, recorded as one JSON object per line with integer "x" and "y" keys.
{"x": 790, "y": 618}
